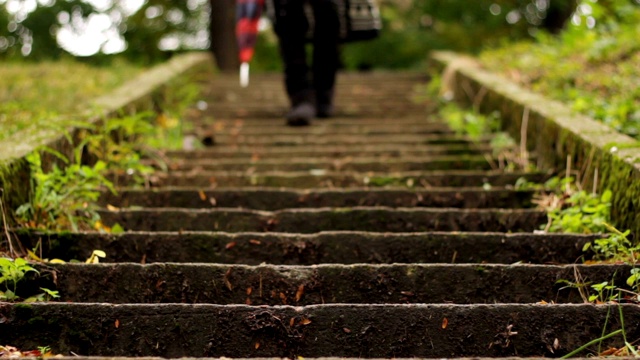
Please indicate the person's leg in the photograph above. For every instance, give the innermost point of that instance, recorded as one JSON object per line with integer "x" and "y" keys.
{"x": 325, "y": 54}
{"x": 291, "y": 28}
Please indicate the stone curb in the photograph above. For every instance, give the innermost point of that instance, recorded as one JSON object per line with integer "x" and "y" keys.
{"x": 140, "y": 93}
{"x": 554, "y": 132}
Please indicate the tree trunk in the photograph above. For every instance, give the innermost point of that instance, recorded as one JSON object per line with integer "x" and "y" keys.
{"x": 222, "y": 33}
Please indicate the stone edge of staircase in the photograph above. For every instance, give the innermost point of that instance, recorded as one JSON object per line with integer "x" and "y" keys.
{"x": 137, "y": 94}
{"x": 554, "y": 131}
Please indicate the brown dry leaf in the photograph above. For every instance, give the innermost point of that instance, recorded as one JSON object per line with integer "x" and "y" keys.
{"x": 257, "y": 345}
{"x": 346, "y": 330}
{"x": 542, "y": 302}
{"x": 292, "y": 321}
{"x": 406, "y": 293}
{"x": 117, "y": 323}
{"x": 255, "y": 242}
{"x": 609, "y": 351}
{"x": 112, "y": 208}
{"x": 249, "y": 290}
{"x": 445, "y": 322}
{"x": 283, "y": 297}
{"x": 230, "y": 245}
{"x": 305, "y": 321}
{"x": 202, "y": 195}
{"x": 300, "y": 292}
{"x": 226, "y": 279}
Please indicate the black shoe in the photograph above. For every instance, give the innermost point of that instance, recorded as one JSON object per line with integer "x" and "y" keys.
{"x": 301, "y": 114}
{"x": 324, "y": 111}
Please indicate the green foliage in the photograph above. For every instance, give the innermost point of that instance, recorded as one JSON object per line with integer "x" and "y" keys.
{"x": 615, "y": 247}
{"x": 11, "y": 272}
{"x": 581, "y": 213}
{"x": 63, "y": 197}
{"x": 592, "y": 65}
{"x": 151, "y": 31}
{"x": 118, "y": 143}
{"x": 33, "y": 96}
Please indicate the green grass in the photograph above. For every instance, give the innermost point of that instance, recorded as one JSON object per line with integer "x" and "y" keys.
{"x": 596, "y": 71}
{"x": 33, "y": 93}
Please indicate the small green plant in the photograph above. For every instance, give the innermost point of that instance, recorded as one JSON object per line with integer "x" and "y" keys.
{"x": 570, "y": 209}
{"x": 604, "y": 292}
{"x": 63, "y": 197}
{"x": 582, "y": 213}
{"x": 12, "y": 272}
{"x": 615, "y": 247}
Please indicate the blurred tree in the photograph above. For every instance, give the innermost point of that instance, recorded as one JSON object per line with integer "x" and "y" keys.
{"x": 222, "y": 32}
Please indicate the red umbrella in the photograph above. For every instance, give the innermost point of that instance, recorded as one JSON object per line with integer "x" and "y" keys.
{"x": 248, "y": 13}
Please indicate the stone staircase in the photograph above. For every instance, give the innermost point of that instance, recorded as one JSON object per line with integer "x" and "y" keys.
{"x": 376, "y": 234}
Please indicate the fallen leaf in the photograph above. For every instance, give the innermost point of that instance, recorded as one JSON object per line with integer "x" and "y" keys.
{"x": 305, "y": 321}
{"x": 117, "y": 323}
{"x": 542, "y": 302}
{"x": 283, "y": 297}
{"x": 255, "y": 242}
{"x": 346, "y": 330}
{"x": 406, "y": 293}
{"x": 445, "y": 322}
{"x": 226, "y": 279}
{"x": 556, "y": 344}
{"x": 202, "y": 195}
{"x": 292, "y": 321}
{"x": 213, "y": 201}
{"x": 300, "y": 292}
{"x": 248, "y": 301}
{"x": 230, "y": 245}
{"x": 257, "y": 345}
{"x": 112, "y": 208}
{"x": 249, "y": 290}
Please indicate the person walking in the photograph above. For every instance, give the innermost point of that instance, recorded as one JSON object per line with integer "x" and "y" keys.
{"x": 310, "y": 88}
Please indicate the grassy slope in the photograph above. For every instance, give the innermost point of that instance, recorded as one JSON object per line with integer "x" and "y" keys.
{"x": 31, "y": 93}
{"x": 596, "y": 71}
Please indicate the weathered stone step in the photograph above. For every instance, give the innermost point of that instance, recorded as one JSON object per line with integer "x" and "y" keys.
{"x": 329, "y": 179}
{"x": 354, "y": 111}
{"x": 328, "y": 128}
{"x": 414, "y": 120}
{"x": 294, "y": 163}
{"x": 326, "y": 247}
{"x": 330, "y": 140}
{"x": 378, "y": 219}
{"x": 320, "y": 284}
{"x": 276, "y": 199}
{"x": 319, "y": 151}
{"x": 373, "y": 331}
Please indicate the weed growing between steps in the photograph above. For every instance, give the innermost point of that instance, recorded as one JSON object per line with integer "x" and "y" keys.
{"x": 505, "y": 154}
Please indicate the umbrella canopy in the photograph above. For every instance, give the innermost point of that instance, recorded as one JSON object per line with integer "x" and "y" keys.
{"x": 248, "y": 13}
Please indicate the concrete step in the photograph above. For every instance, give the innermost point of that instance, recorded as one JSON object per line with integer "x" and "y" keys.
{"x": 359, "y": 164}
{"x": 320, "y": 151}
{"x": 322, "y": 248}
{"x": 329, "y": 179}
{"x": 373, "y": 331}
{"x": 306, "y": 221}
{"x": 328, "y": 127}
{"x": 344, "y": 140}
{"x": 320, "y": 284}
{"x": 276, "y": 199}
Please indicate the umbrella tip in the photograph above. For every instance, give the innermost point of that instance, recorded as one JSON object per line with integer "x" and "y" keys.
{"x": 244, "y": 74}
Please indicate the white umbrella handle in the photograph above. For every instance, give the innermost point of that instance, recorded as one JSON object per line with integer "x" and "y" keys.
{"x": 244, "y": 74}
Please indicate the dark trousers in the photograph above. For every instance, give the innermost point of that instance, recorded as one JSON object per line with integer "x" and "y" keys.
{"x": 292, "y": 27}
